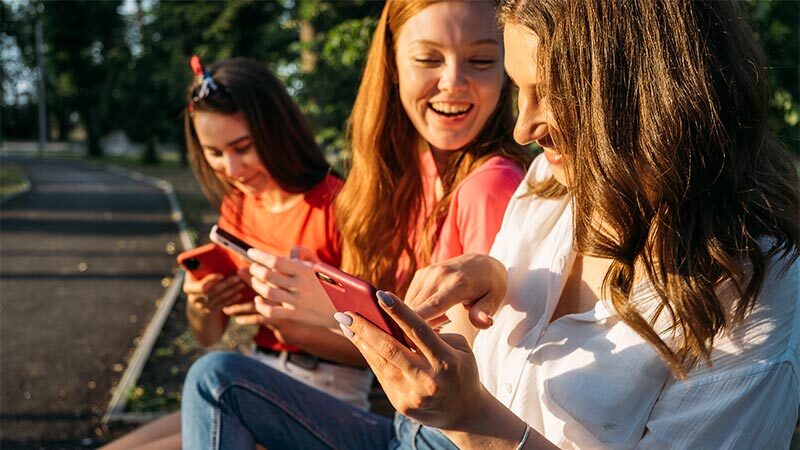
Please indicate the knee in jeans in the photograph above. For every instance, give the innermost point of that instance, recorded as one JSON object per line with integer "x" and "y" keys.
{"x": 212, "y": 371}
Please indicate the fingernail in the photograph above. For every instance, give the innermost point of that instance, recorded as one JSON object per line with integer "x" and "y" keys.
{"x": 347, "y": 331}
{"x": 485, "y": 317}
{"x": 343, "y": 319}
{"x": 386, "y": 299}
{"x": 294, "y": 253}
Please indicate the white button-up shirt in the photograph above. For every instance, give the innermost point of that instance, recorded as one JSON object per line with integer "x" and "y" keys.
{"x": 588, "y": 380}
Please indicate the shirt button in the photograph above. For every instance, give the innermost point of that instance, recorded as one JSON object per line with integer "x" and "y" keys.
{"x": 507, "y": 387}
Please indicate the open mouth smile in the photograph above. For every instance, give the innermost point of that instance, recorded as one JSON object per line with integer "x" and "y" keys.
{"x": 450, "y": 110}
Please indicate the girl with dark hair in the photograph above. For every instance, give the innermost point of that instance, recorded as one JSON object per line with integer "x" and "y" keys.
{"x": 645, "y": 288}
{"x": 254, "y": 155}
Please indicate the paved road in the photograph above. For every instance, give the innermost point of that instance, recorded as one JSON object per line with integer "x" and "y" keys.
{"x": 82, "y": 259}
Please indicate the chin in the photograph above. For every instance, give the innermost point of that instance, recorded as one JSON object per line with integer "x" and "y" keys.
{"x": 449, "y": 143}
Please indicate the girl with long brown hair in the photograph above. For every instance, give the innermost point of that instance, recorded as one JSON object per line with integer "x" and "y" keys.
{"x": 646, "y": 274}
{"x": 255, "y": 157}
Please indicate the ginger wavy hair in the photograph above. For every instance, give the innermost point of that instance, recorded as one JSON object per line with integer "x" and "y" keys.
{"x": 663, "y": 110}
{"x": 380, "y": 203}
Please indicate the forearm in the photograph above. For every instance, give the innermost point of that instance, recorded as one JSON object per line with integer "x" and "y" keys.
{"x": 493, "y": 426}
{"x": 206, "y": 326}
{"x": 328, "y": 344}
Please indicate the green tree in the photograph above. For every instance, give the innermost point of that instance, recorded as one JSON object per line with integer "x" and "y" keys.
{"x": 777, "y": 24}
{"x": 84, "y": 47}
{"x": 337, "y": 45}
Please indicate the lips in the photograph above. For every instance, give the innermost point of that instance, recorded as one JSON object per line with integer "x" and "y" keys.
{"x": 450, "y": 109}
{"x": 553, "y": 157}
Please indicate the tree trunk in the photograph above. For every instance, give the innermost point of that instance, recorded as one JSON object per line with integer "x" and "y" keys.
{"x": 93, "y": 149}
{"x": 150, "y": 155}
{"x": 308, "y": 60}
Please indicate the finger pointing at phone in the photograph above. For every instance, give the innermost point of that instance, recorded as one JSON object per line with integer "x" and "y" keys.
{"x": 476, "y": 281}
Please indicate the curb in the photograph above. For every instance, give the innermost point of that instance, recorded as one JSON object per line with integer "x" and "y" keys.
{"x": 115, "y": 412}
{"x": 26, "y": 187}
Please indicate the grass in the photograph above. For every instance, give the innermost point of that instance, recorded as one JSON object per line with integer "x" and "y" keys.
{"x": 12, "y": 179}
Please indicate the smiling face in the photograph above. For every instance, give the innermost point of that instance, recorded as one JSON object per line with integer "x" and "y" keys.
{"x": 535, "y": 121}
{"x": 231, "y": 153}
{"x": 450, "y": 71}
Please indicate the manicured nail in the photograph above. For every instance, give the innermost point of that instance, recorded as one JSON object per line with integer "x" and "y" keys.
{"x": 386, "y": 299}
{"x": 347, "y": 331}
{"x": 343, "y": 319}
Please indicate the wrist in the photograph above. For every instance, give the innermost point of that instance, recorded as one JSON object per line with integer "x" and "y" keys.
{"x": 489, "y": 425}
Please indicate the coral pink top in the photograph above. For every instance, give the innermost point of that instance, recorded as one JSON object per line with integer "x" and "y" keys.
{"x": 476, "y": 208}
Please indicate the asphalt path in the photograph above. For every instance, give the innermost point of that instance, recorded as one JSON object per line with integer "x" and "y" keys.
{"x": 83, "y": 256}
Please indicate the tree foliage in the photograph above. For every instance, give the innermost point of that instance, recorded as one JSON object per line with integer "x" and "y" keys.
{"x": 112, "y": 67}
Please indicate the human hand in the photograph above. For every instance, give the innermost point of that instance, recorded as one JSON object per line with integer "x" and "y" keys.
{"x": 289, "y": 290}
{"x": 438, "y": 385}
{"x": 478, "y": 282}
{"x": 213, "y": 292}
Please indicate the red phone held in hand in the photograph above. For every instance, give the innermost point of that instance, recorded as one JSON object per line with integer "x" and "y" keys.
{"x": 207, "y": 259}
{"x": 348, "y": 293}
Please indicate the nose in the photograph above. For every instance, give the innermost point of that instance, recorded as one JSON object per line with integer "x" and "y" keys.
{"x": 453, "y": 77}
{"x": 529, "y": 120}
{"x": 233, "y": 165}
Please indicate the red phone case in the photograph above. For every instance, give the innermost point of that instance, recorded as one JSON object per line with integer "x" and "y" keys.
{"x": 211, "y": 258}
{"x": 207, "y": 259}
{"x": 348, "y": 293}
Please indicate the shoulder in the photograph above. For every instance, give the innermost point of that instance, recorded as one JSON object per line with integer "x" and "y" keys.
{"x": 498, "y": 175}
{"x": 323, "y": 194}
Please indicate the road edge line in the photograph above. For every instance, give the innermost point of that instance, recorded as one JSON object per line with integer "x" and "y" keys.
{"x": 115, "y": 412}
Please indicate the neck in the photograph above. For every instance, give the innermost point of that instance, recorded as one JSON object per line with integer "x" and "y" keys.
{"x": 441, "y": 157}
{"x": 277, "y": 200}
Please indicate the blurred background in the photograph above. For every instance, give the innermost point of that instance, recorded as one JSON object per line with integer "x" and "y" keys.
{"x": 103, "y": 82}
{"x": 114, "y": 72}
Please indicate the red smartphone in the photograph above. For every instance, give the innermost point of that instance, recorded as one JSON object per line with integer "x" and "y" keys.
{"x": 348, "y": 293}
{"x": 211, "y": 258}
{"x": 207, "y": 259}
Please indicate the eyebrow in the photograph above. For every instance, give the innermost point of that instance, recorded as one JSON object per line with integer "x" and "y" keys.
{"x": 473, "y": 44}
{"x": 231, "y": 143}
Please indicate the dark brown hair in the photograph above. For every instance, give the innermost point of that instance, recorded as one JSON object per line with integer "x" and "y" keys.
{"x": 378, "y": 208}
{"x": 663, "y": 110}
{"x": 282, "y": 135}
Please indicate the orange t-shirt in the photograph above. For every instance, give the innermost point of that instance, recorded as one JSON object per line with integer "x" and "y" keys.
{"x": 309, "y": 223}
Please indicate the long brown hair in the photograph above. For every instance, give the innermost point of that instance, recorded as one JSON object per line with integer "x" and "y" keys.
{"x": 663, "y": 110}
{"x": 282, "y": 135}
{"x": 379, "y": 206}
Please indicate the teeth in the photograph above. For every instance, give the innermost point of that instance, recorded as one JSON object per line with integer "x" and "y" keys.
{"x": 450, "y": 108}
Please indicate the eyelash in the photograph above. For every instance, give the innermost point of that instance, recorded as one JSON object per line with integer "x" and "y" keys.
{"x": 477, "y": 62}
{"x": 239, "y": 150}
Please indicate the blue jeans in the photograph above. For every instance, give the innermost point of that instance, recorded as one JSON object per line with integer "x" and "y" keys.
{"x": 231, "y": 401}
